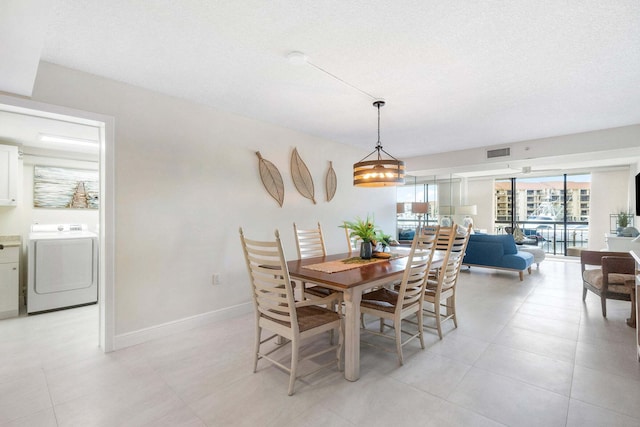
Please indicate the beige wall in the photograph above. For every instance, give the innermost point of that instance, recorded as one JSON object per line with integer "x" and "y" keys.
{"x": 186, "y": 178}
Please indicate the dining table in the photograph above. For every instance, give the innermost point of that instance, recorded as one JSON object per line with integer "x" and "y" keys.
{"x": 353, "y": 282}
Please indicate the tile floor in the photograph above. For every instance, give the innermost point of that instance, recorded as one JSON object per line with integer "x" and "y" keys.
{"x": 525, "y": 354}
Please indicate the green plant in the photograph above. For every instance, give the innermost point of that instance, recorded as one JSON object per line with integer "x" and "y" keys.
{"x": 365, "y": 230}
{"x": 384, "y": 239}
{"x": 623, "y": 219}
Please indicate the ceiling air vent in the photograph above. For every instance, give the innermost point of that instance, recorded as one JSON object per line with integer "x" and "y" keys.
{"x": 498, "y": 152}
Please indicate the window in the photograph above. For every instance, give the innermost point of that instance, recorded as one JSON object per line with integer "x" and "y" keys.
{"x": 553, "y": 210}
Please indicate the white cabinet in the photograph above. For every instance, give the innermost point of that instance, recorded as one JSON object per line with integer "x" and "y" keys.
{"x": 8, "y": 175}
{"x": 9, "y": 281}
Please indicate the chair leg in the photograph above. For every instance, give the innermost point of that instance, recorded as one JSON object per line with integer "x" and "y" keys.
{"x": 436, "y": 309}
{"x": 521, "y": 275}
{"x": 420, "y": 327}
{"x": 584, "y": 293}
{"x": 257, "y": 348}
{"x": 381, "y": 325}
{"x": 603, "y": 301}
{"x": 632, "y": 320}
{"x": 294, "y": 365}
{"x": 453, "y": 310}
{"x": 397, "y": 325}
{"x": 340, "y": 349}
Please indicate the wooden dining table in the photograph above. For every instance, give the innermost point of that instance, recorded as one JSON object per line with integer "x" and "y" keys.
{"x": 352, "y": 283}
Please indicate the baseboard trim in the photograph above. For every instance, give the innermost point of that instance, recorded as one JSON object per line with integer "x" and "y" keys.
{"x": 181, "y": 325}
{"x": 9, "y": 314}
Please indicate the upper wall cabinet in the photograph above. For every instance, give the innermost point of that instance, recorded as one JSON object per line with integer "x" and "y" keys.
{"x": 8, "y": 175}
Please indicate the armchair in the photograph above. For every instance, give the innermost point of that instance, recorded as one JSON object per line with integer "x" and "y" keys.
{"x": 606, "y": 274}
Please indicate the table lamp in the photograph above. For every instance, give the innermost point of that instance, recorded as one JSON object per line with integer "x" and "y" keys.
{"x": 445, "y": 211}
{"x": 467, "y": 211}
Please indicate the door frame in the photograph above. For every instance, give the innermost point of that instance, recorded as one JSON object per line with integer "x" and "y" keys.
{"x": 105, "y": 124}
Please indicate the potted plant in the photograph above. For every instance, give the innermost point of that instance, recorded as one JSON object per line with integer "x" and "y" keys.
{"x": 623, "y": 221}
{"x": 385, "y": 240}
{"x": 366, "y": 231}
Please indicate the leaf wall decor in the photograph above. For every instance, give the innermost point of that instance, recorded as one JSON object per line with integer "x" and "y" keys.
{"x": 331, "y": 182}
{"x": 301, "y": 176}
{"x": 271, "y": 179}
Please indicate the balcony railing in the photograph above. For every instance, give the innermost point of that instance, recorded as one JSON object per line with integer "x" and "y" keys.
{"x": 550, "y": 235}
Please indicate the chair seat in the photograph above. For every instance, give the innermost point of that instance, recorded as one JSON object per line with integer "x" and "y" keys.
{"x": 616, "y": 280}
{"x": 381, "y": 299}
{"x": 310, "y": 317}
{"x": 318, "y": 291}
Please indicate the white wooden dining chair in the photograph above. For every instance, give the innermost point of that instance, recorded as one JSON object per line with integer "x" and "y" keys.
{"x": 310, "y": 244}
{"x": 407, "y": 298}
{"x": 277, "y": 311}
{"x": 353, "y": 242}
{"x": 440, "y": 291}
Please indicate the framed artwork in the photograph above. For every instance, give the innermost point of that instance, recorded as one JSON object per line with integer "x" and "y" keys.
{"x": 65, "y": 188}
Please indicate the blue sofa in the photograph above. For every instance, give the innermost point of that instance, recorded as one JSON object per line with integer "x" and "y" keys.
{"x": 497, "y": 251}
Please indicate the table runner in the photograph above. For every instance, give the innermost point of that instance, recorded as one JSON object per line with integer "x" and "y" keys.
{"x": 346, "y": 264}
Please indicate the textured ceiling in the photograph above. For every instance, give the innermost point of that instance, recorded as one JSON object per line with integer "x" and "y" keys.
{"x": 455, "y": 74}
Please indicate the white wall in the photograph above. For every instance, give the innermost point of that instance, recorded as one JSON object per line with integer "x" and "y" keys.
{"x": 186, "y": 178}
{"x": 609, "y": 195}
{"x": 480, "y": 192}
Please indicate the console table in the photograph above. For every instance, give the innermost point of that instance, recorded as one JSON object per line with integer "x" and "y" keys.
{"x": 621, "y": 244}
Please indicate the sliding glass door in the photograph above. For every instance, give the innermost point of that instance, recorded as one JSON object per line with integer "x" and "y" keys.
{"x": 552, "y": 211}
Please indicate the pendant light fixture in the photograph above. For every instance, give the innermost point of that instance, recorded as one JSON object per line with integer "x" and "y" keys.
{"x": 379, "y": 172}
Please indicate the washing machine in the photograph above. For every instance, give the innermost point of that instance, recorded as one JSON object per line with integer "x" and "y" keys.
{"x": 62, "y": 266}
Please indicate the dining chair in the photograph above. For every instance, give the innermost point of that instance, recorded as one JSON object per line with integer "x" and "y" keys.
{"x": 406, "y": 299}
{"x": 440, "y": 290}
{"x": 352, "y": 242}
{"x": 277, "y": 311}
{"x": 459, "y": 233}
{"x": 310, "y": 244}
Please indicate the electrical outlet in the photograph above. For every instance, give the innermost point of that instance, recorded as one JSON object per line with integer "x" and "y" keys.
{"x": 215, "y": 279}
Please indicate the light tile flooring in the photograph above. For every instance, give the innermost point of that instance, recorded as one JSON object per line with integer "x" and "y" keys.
{"x": 525, "y": 354}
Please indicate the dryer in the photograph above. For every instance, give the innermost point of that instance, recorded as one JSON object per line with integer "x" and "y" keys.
{"x": 62, "y": 266}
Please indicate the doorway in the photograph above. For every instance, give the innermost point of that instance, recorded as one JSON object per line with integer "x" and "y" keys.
{"x": 102, "y": 127}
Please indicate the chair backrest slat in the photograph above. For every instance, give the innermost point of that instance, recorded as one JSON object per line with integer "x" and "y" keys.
{"x": 419, "y": 261}
{"x": 309, "y": 242}
{"x": 450, "y": 270}
{"x": 272, "y": 291}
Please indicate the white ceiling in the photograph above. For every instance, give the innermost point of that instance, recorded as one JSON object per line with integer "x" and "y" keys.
{"x": 455, "y": 74}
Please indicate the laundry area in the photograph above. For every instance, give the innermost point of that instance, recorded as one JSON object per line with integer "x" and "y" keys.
{"x": 49, "y": 214}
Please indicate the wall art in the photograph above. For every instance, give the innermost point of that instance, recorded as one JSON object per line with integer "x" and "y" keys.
{"x": 65, "y": 188}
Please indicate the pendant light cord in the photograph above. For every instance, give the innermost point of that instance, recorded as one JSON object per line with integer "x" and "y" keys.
{"x": 340, "y": 80}
{"x": 379, "y": 144}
